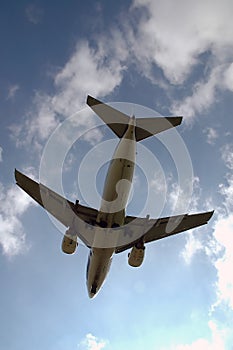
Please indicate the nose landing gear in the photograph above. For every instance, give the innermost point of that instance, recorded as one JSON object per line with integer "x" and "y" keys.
{"x": 93, "y": 289}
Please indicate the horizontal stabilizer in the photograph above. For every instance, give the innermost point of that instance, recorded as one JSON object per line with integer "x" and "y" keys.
{"x": 146, "y": 127}
{"x": 118, "y": 121}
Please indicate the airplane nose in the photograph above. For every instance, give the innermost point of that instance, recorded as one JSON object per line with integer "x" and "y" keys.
{"x": 92, "y": 292}
{"x": 91, "y": 295}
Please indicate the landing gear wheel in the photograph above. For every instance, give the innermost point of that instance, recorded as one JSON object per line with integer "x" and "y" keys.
{"x": 93, "y": 289}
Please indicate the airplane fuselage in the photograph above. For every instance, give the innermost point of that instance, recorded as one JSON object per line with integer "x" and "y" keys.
{"x": 112, "y": 209}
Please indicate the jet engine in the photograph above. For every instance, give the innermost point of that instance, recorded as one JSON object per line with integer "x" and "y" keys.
{"x": 136, "y": 256}
{"x": 69, "y": 242}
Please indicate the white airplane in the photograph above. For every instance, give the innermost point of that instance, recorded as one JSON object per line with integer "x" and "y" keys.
{"x": 109, "y": 230}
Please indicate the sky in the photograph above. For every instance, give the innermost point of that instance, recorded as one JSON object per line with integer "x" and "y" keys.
{"x": 150, "y": 56}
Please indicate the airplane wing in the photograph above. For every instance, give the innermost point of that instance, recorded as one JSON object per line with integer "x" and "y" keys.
{"x": 68, "y": 214}
{"x": 153, "y": 229}
{"x": 61, "y": 208}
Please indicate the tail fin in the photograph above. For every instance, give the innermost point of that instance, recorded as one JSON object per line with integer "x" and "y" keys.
{"x": 118, "y": 121}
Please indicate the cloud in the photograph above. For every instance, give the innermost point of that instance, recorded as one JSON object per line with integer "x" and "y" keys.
{"x": 192, "y": 246}
{"x": 158, "y": 183}
{"x": 219, "y": 248}
{"x": 14, "y": 203}
{"x": 217, "y": 341}
{"x": 193, "y": 243}
{"x": 226, "y": 189}
{"x": 184, "y": 196}
{"x": 1, "y": 151}
{"x": 174, "y": 43}
{"x": 223, "y": 231}
{"x": 86, "y": 72}
{"x": 211, "y": 135}
{"x": 34, "y": 13}
{"x": 228, "y": 77}
{"x": 199, "y": 37}
{"x": 92, "y": 343}
{"x": 223, "y": 234}
{"x": 12, "y": 91}
{"x": 40, "y": 121}
{"x": 202, "y": 97}
{"x": 150, "y": 36}
{"x": 227, "y": 155}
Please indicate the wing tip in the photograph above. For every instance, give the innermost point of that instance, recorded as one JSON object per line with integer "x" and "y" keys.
{"x": 17, "y": 174}
{"x": 210, "y": 214}
{"x": 175, "y": 121}
{"x": 180, "y": 119}
{"x": 91, "y": 101}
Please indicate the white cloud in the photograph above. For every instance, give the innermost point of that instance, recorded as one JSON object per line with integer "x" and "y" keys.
{"x": 217, "y": 341}
{"x": 92, "y": 343}
{"x": 185, "y": 196}
{"x": 158, "y": 183}
{"x": 149, "y": 35}
{"x": 219, "y": 248}
{"x": 227, "y": 155}
{"x": 12, "y": 91}
{"x": 228, "y": 77}
{"x": 192, "y": 246}
{"x": 14, "y": 204}
{"x": 194, "y": 242}
{"x": 203, "y": 95}
{"x": 223, "y": 233}
{"x": 226, "y": 189}
{"x": 86, "y": 72}
{"x": 175, "y": 43}
{"x": 1, "y": 150}
{"x": 40, "y": 122}
{"x": 211, "y": 135}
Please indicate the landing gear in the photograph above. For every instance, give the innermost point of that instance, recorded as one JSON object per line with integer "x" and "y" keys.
{"x": 115, "y": 225}
{"x": 102, "y": 224}
{"x": 93, "y": 289}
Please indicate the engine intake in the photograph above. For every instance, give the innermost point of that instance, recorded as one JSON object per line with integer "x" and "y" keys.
{"x": 136, "y": 256}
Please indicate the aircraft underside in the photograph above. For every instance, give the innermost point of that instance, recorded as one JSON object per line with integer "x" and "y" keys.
{"x": 108, "y": 230}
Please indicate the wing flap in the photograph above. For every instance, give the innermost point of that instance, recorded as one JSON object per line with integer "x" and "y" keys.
{"x": 153, "y": 230}
{"x": 173, "y": 225}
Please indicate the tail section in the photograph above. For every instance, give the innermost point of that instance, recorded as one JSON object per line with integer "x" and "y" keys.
{"x": 147, "y": 127}
{"x": 118, "y": 121}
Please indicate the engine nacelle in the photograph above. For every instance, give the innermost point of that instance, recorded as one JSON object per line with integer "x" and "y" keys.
{"x": 136, "y": 256}
{"x": 69, "y": 242}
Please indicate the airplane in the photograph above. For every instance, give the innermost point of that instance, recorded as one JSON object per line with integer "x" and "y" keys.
{"x": 109, "y": 230}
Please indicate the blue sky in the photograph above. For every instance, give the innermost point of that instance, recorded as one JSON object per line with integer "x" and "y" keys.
{"x": 174, "y": 57}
